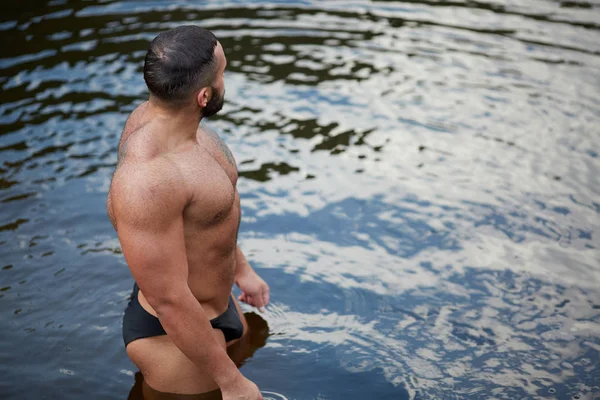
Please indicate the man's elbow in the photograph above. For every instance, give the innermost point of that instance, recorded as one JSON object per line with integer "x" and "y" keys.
{"x": 166, "y": 301}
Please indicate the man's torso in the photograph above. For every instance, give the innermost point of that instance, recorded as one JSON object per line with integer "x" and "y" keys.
{"x": 212, "y": 215}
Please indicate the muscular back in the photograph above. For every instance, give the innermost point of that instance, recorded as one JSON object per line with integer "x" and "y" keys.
{"x": 193, "y": 182}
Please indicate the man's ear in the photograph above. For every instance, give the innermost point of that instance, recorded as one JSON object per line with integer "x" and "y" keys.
{"x": 204, "y": 96}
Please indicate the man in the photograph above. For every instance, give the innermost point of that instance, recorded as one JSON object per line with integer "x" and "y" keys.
{"x": 174, "y": 204}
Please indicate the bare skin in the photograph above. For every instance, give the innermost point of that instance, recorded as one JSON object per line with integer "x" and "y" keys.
{"x": 258, "y": 332}
{"x": 174, "y": 204}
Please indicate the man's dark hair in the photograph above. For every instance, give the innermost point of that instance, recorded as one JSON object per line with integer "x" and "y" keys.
{"x": 179, "y": 62}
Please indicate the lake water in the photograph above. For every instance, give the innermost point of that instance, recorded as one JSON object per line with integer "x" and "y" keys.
{"x": 420, "y": 186}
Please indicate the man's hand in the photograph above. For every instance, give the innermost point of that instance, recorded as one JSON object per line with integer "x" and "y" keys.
{"x": 242, "y": 389}
{"x": 255, "y": 290}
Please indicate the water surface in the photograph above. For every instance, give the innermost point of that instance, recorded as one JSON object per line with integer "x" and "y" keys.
{"x": 420, "y": 187}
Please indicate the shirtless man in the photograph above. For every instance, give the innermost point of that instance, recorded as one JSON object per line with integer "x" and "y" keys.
{"x": 174, "y": 204}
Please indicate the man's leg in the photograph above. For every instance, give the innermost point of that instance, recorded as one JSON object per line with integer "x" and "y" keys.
{"x": 167, "y": 369}
{"x": 151, "y": 394}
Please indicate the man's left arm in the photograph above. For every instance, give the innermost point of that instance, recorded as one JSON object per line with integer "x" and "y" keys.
{"x": 255, "y": 290}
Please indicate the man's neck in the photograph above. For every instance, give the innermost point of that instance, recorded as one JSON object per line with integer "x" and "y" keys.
{"x": 182, "y": 121}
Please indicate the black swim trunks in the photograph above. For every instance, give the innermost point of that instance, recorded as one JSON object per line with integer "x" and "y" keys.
{"x": 139, "y": 323}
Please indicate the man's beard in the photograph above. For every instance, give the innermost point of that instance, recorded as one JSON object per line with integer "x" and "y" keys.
{"x": 214, "y": 105}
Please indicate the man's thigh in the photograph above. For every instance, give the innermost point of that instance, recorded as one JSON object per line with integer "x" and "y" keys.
{"x": 167, "y": 369}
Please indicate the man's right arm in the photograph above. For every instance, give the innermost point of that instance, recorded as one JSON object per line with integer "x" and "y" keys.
{"x": 149, "y": 210}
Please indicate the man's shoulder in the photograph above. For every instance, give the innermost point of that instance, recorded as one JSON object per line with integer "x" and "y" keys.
{"x": 149, "y": 181}
{"x": 135, "y": 118}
